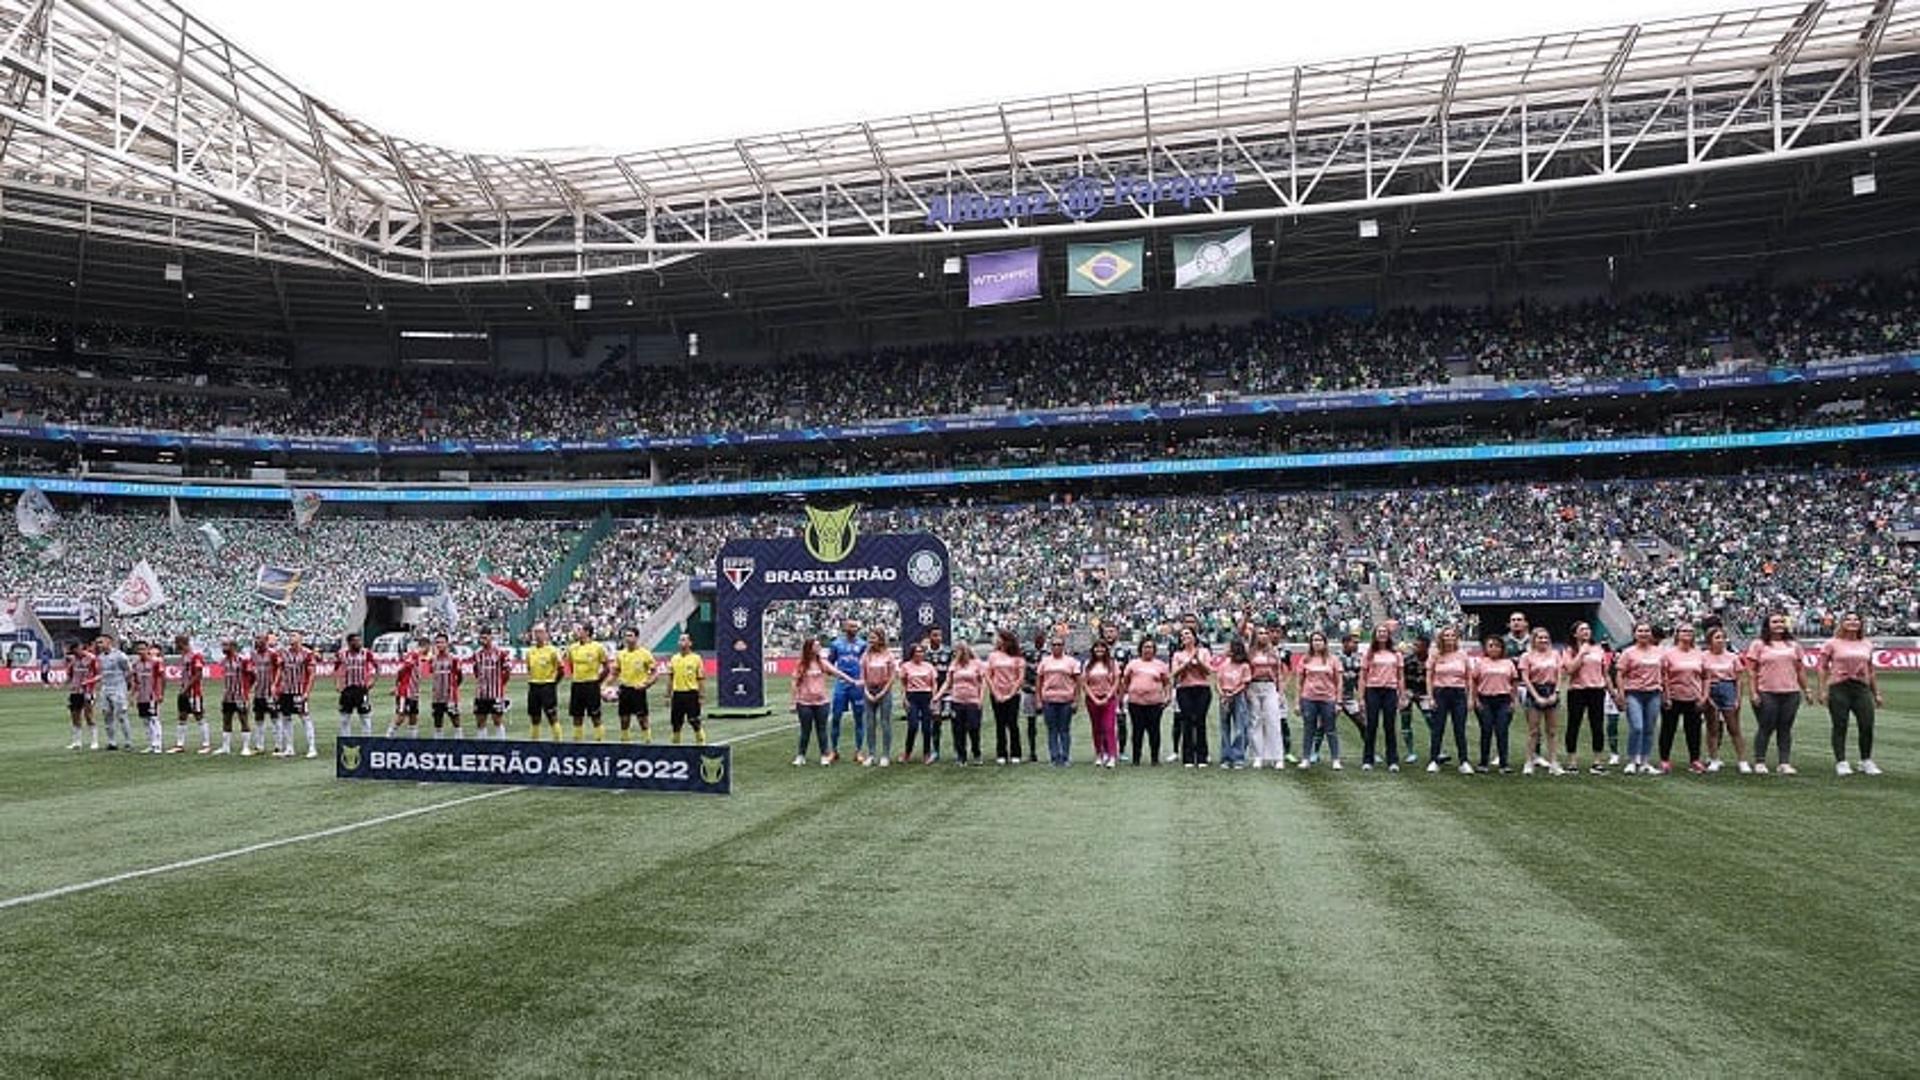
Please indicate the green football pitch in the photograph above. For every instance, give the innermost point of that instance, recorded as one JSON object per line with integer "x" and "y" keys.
{"x": 944, "y": 921}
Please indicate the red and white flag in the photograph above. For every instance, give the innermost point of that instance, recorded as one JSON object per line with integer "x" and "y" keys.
{"x": 140, "y": 593}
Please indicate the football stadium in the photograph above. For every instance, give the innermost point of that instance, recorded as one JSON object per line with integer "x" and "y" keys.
{"x": 1406, "y": 564}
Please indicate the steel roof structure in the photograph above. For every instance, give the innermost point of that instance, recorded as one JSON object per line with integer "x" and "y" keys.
{"x": 130, "y": 126}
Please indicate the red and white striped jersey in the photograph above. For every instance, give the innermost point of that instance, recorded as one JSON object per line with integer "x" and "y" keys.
{"x": 149, "y": 681}
{"x": 446, "y": 678}
{"x": 355, "y": 668}
{"x": 294, "y": 673}
{"x": 236, "y": 678}
{"x": 406, "y": 681}
{"x": 491, "y": 667}
{"x": 193, "y": 669}
{"x": 263, "y": 670}
{"x": 83, "y": 673}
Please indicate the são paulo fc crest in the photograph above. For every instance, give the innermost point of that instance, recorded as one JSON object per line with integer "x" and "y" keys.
{"x": 924, "y": 568}
{"x": 738, "y": 570}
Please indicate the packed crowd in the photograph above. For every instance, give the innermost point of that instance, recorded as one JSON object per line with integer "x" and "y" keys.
{"x": 1327, "y": 351}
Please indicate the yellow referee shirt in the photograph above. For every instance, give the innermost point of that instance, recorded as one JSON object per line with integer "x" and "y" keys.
{"x": 636, "y": 667}
{"x": 687, "y": 670}
{"x": 543, "y": 664}
{"x": 589, "y": 660}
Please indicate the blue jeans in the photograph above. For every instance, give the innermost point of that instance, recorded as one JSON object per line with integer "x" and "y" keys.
{"x": 849, "y": 696}
{"x": 1643, "y": 719}
{"x": 920, "y": 720}
{"x": 1449, "y": 707}
{"x": 1319, "y": 719}
{"x": 1382, "y": 702}
{"x": 1233, "y": 729}
{"x": 1059, "y": 716}
{"x": 813, "y": 718}
{"x": 1496, "y": 716}
{"x": 879, "y": 733}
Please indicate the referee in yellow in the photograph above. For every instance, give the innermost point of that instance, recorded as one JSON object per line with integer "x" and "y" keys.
{"x": 634, "y": 670}
{"x": 543, "y": 681}
{"x": 687, "y": 671}
{"x": 587, "y": 667}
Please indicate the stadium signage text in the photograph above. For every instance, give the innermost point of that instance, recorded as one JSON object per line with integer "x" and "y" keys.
{"x": 704, "y": 770}
{"x": 1077, "y": 198}
{"x": 1550, "y": 591}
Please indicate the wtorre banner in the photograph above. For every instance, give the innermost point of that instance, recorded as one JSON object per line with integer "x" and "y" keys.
{"x": 694, "y": 770}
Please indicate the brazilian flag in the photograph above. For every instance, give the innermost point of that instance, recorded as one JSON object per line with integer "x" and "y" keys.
{"x": 1101, "y": 269}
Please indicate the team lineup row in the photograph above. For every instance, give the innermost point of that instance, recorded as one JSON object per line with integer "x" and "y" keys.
{"x": 1690, "y": 685}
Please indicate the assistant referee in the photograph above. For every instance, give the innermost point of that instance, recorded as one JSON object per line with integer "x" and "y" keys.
{"x": 686, "y": 671}
{"x": 587, "y": 667}
{"x": 543, "y": 679}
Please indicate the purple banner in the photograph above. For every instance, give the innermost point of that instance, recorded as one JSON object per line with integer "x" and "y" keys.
{"x": 1003, "y": 277}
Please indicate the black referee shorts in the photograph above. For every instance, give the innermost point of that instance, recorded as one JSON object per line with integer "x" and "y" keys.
{"x": 543, "y": 700}
{"x": 583, "y": 700}
{"x": 633, "y": 701}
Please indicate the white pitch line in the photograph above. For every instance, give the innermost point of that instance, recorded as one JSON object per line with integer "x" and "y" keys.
{"x": 265, "y": 845}
{"x": 268, "y": 845}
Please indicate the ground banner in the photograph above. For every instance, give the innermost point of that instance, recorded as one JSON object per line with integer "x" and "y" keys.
{"x": 696, "y": 770}
{"x": 1103, "y": 269}
{"x": 1204, "y": 260}
{"x": 1003, "y": 277}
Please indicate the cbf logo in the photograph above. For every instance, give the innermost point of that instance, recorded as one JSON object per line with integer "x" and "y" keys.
{"x": 924, "y": 568}
{"x": 740, "y": 618}
{"x": 830, "y": 534}
{"x": 738, "y": 570}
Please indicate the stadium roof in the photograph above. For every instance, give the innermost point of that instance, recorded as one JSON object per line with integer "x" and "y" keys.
{"x": 132, "y": 134}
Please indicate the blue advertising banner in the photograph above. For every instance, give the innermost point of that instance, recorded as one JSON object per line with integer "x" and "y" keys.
{"x": 698, "y": 770}
{"x": 1551, "y": 592}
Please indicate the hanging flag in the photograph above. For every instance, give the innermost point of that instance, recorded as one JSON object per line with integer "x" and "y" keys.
{"x": 1204, "y": 260}
{"x": 140, "y": 593}
{"x": 33, "y": 512}
{"x": 176, "y": 524}
{"x": 210, "y": 537}
{"x": 1102, "y": 269}
{"x": 277, "y": 584}
{"x": 504, "y": 584}
{"x": 1003, "y": 277}
{"x": 306, "y": 505}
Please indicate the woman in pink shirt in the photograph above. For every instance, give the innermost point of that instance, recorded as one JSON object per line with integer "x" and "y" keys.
{"x": 1006, "y": 670}
{"x": 810, "y": 677}
{"x": 1683, "y": 689}
{"x": 1540, "y": 668}
{"x": 1149, "y": 683}
{"x": 1724, "y": 671}
{"x": 1267, "y": 733}
{"x": 918, "y": 680}
{"x": 1637, "y": 678}
{"x": 1383, "y": 681}
{"x": 1322, "y": 683}
{"x": 1586, "y": 670}
{"x": 1058, "y": 684}
{"x": 964, "y": 687}
{"x": 1101, "y": 682}
{"x": 1490, "y": 686}
{"x": 1235, "y": 674}
{"x": 878, "y": 669}
{"x": 1448, "y": 671}
{"x": 1779, "y": 682}
{"x": 1848, "y": 687}
{"x": 1192, "y": 698}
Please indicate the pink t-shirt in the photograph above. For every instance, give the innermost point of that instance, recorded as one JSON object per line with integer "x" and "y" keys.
{"x": 1146, "y": 681}
{"x": 1320, "y": 678}
{"x": 810, "y": 683}
{"x": 1004, "y": 672}
{"x": 1492, "y": 678}
{"x": 1589, "y": 666}
{"x": 1383, "y": 670}
{"x": 1057, "y": 675}
{"x": 1639, "y": 667}
{"x": 1234, "y": 677}
{"x": 1776, "y": 667}
{"x": 1684, "y": 672}
{"x": 1196, "y": 676}
{"x": 1266, "y": 664}
{"x": 1101, "y": 680}
{"x": 918, "y": 676}
{"x": 965, "y": 680}
{"x": 1448, "y": 670}
{"x": 1540, "y": 667}
{"x": 1722, "y": 666}
{"x": 878, "y": 669}
{"x": 1846, "y": 661}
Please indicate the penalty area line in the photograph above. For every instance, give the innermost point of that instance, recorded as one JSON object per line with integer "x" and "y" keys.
{"x": 250, "y": 849}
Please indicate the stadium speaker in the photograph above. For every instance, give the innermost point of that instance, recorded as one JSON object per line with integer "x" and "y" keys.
{"x": 1865, "y": 183}
{"x": 175, "y": 272}
{"x": 583, "y": 301}
{"x": 1369, "y": 228}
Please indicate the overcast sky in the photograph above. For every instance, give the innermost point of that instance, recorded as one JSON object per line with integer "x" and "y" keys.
{"x": 498, "y": 75}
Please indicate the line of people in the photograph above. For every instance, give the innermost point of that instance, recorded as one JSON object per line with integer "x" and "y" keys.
{"x": 1692, "y": 687}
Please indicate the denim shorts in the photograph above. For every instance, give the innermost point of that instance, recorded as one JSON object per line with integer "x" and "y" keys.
{"x": 1724, "y": 695}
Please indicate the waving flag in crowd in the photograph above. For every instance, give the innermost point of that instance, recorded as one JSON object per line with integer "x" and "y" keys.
{"x": 306, "y": 506}
{"x": 504, "y": 584}
{"x": 141, "y": 592}
{"x": 277, "y": 584}
{"x": 33, "y": 512}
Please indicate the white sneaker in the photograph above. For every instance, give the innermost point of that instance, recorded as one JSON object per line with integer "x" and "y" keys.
{"x": 1303, "y": 766}
{"x": 1760, "y": 768}
{"x": 1556, "y": 769}
{"x": 95, "y": 745}
{"x": 1714, "y": 765}
{"x": 1527, "y": 769}
{"x": 1411, "y": 758}
{"x": 1787, "y": 769}
{"x": 800, "y": 759}
{"x": 1336, "y": 764}
{"x": 1868, "y": 768}
{"x": 1366, "y": 766}
{"x": 74, "y": 745}
{"x": 1841, "y": 768}
{"x": 1746, "y": 768}
{"x": 1466, "y": 769}
{"x": 825, "y": 760}
{"x": 311, "y": 753}
{"x": 885, "y": 762}
{"x": 218, "y": 750}
{"x": 1613, "y": 759}
{"x": 866, "y": 763}
{"x": 1433, "y": 766}
{"x": 1394, "y": 767}
{"x": 246, "y": 750}
{"x": 1292, "y": 760}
